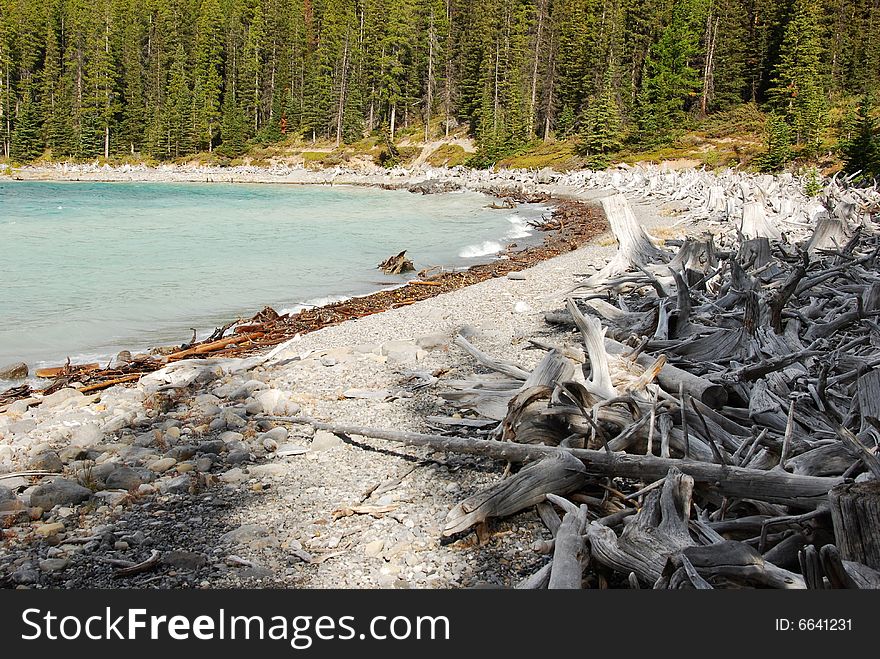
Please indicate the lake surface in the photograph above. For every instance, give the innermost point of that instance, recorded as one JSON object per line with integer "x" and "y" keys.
{"x": 88, "y": 269}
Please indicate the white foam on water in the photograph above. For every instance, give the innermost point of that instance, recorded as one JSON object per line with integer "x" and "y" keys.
{"x": 314, "y": 302}
{"x": 485, "y": 248}
{"x": 520, "y": 227}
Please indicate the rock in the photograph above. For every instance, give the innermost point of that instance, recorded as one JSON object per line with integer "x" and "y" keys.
{"x": 253, "y": 407}
{"x": 374, "y": 548}
{"x": 400, "y": 352}
{"x": 123, "y": 478}
{"x": 244, "y": 534}
{"x": 237, "y": 457}
{"x": 185, "y": 560}
{"x": 17, "y": 371}
{"x": 522, "y": 307}
{"x": 324, "y": 441}
{"x": 270, "y": 469}
{"x": 53, "y": 564}
{"x": 516, "y": 276}
{"x": 162, "y": 465}
{"x": 290, "y": 449}
{"x": 215, "y": 445}
{"x": 179, "y": 485}
{"x": 279, "y": 434}
{"x": 6, "y": 494}
{"x": 59, "y": 492}
{"x": 46, "y": 461}
{"x": 230, "y": 436}
{"x": 59, "y": 397}
{"x": 45, "y": 530}
{"x": 276, "y": 402}
{"x": 432, "y": 341}
{"x": 25, "y": 575}
{"x": 182, "y": 452}
{"x": 233, "y": 421}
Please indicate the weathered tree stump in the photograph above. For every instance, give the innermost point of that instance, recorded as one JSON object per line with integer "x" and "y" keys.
{"x": 855, "y": 512}
{"x": 394, "y": 265}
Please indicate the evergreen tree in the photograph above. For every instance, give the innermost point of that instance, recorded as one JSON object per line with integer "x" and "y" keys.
{"x": 779, "y": 142}
{"x": 797, "y": 83}
{"x": 671, "y": 78}
{"x": 208, "y": 72}
{"x": 233, "y": 130}
{"x": 26, "y": 142}
{"x": 861, "y": 148}
{"x": 600, "y": 132}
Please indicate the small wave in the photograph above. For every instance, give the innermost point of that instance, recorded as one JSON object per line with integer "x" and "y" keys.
{"x": 520, "y": 227}
{"x": 315, "y": 302}
{"x": 484, "y": 248}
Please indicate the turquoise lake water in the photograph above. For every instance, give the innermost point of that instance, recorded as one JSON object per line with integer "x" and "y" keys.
{"x": 88, "y": 269}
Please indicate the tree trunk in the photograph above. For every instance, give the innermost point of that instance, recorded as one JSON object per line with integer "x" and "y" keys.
{"x": 855, "y": 511}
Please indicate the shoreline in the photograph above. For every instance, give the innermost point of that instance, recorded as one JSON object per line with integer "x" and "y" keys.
{"x": 188, "y": 442}
{"x": 572, "y": 225}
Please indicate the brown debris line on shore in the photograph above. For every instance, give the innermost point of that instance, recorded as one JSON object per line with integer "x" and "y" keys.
{"x": 572, "y": 225}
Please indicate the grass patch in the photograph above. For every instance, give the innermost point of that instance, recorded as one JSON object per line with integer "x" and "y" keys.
{"x": 448, "y": 155}
{"x": 560, "y": 156}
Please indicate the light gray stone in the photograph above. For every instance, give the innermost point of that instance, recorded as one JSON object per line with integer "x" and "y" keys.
{"x": 244, "y": 534}
{"x": 86, "y": 435}
{"x": 325, "y": 441}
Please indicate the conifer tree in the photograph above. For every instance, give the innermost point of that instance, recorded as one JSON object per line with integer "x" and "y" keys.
{"x": 26, "y": 142}
{"x": 861, "y": 148}
{"x": 600, "y": 132}
{"x": 796, "y": 90}
{"x": 671, "y": 78}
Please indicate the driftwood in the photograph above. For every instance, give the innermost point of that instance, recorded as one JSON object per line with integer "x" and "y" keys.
{"x": 712, "y": 397}
{"x": 561, "y": 473}
{"x": 395, "y": 265}
{"x": 855, "y": 510}
{"x": 805, "y": 492}
{"x": 569, "y": 554}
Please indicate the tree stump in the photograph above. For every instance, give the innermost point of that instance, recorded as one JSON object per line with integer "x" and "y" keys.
{"x": 855, "y": 511}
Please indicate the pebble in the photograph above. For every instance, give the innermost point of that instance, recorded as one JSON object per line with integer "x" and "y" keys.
{"x": 245, "y": 534}
{"x": 53, "y": 564}
{"x": 324, "y": 441}
{"x": 59, "y": 491}
{"x": 185, "y": 560}
{"x": 25, "y": 575}
{"x": 162, "y": 465}
{"x": 86, "y": 435}
{"x": 46, "y": 461}
{"x": 45, "y": 530}
{"x": 123, "y": 478}
{"x": 288, "y": 450}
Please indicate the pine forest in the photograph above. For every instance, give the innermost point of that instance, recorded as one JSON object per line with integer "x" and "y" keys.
{"x": 166, "y": 79}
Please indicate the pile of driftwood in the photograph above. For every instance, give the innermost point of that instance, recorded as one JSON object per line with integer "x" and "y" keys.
{"x": 572, "y": 224}
{"x": 715, "y": 424}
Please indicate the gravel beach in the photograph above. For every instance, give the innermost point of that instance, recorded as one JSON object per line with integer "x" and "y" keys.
{"x": 180, "y": 478}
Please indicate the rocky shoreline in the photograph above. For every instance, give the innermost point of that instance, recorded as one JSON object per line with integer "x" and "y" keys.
{"x": 177, "y": 482}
